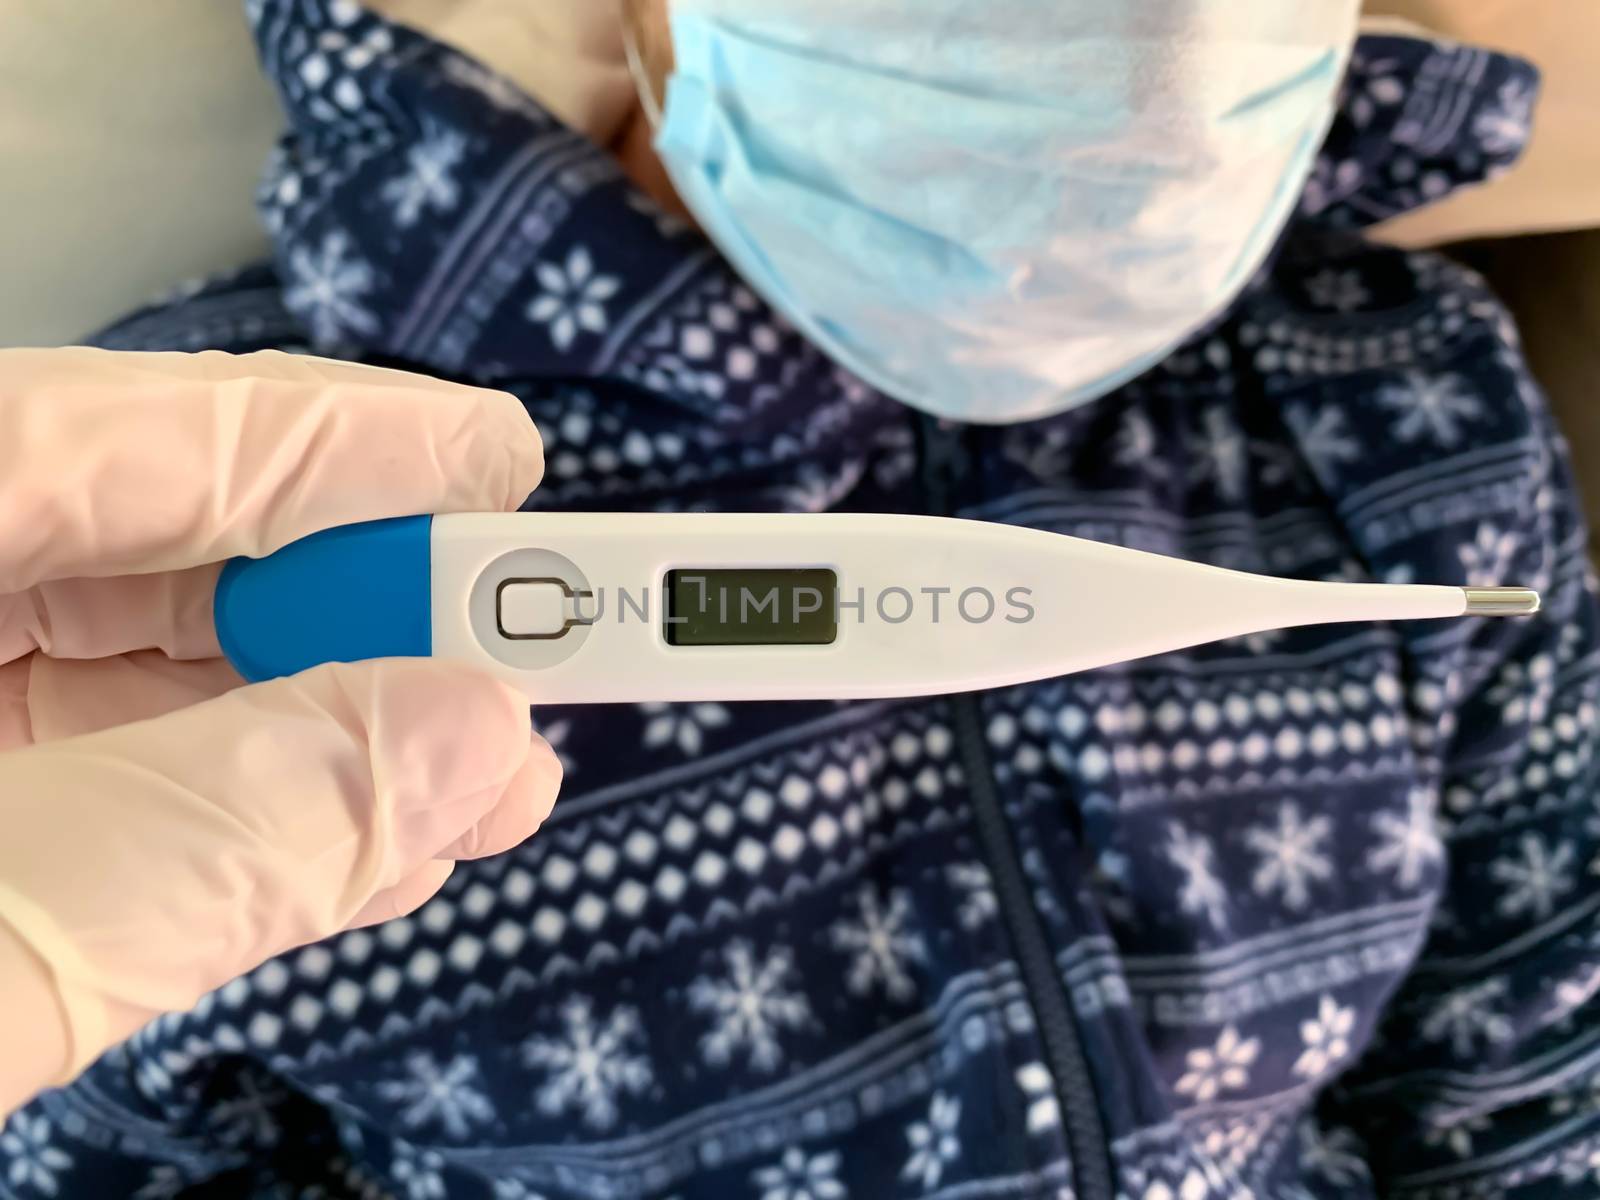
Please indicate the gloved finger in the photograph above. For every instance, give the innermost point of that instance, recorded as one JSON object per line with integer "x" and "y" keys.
{"x": 210, "y": 839}
{"x": 119, "y": 463}
{"x": 68, "y": 698}
{"x": 464, "y": 828}
{"x": 16, "y": 722}
{"x": 60, "y": 698}
{"x": 522, "y": 808}
{"x": 170, "y": 611}
{"x": 31, "y": 1009}
{"x": 405, "y": 897}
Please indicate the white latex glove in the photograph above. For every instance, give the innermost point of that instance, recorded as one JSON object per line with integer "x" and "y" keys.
{"x": 163, "y": 828}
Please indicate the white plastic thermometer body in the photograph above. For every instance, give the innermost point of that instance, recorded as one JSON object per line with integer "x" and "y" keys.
{"x": 575, "y": 607}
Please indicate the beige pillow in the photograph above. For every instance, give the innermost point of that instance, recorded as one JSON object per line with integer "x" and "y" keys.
{"x": 131, "y": 137}
{"x": 1556, "y": 185}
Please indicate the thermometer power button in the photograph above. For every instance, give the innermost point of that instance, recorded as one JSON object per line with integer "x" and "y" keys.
{"x": 531, "y": 608}
{"x": 536, "y": 609}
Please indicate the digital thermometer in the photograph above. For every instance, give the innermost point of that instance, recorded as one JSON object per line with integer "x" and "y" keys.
{"x": 579, "y": 608}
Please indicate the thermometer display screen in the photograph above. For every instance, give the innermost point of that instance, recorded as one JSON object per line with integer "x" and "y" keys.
{"x": 786, "y": 606}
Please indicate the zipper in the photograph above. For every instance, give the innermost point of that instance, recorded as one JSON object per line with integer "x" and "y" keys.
{"x": 943, "y": 458}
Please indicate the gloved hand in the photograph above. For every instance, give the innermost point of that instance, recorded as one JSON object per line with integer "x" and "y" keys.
{"x": 163, "y": 828}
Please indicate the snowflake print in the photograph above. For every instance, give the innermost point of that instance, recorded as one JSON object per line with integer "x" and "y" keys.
{"x": 1572, "y": 994}
{"x": 1225, "y": 1067}
{"x": 1340, "y": 291}
{"x": 1279, "y": 463}
{"x": 1136, "y": 440}
{"x": 1043, "y": 453}
{"x": 1193, "y": 1186}
{"x": 749, "y": 1007}
{"x": 1039, "y": 1092}
{"x": 978, "y": 903}
{"x": 556, "y": 734}
{"x": 1349, "y": 571}
{"x": 683, "y": 724}
{"x": 852, "y": 387}
{"x": 152, "y": 1075}
{"x": 1290, "y": 855}
{"x": 1401, "y": 573}
{"x": 1431, "y": 407}
{"x": 1524, "y": 690}
{"x": 1202, "y": 891}
{"x": 1487, "y": 556}
{"x": 515, "y": 1189}
{"x": 668, "y": 225}
{"x": 1230, "y": 1143}
{"x": 348, "y": 12}
{"x": 30, "y": 1160}
{"x": 1406, "y": 846}
{"x": 1326, "y": 1038}
{"x": 591, "y": 1063}
{"x": 326, "y": 287}
{"x": 1224, "y": 456}
{"x": 496, "y": 89}
{"x": 1112, "y": 867}
{"x": 1259, "y": 642}
{"x": 815, "y": 490}
{"x": 1324, "y": 439}
{"x": 882, "y": 945}
{"x": 1136, "y": 445}
{"x": 447, "y": 1094}
{"x": 801, "y": 1176}
{"x": 573, "y": 298}
{"x": 894, "y": 449}
{"x": 1380, "y": 88}
{"x": 1335, "y": 1154}
{"x": 351, "y": 1135}
{"x": 281, "y": 187}
{"x": 1109, "y": 877}
{"x": 1535, "y": 878}
{"x": 419, "y": 1172}
{"x": 1503, "y": 129}
{"x": 1580, "y": 1163}
{"x": 249, "y": 1116}
{"x": 1468, "y": 1014}
{"x": 429, "y": 180}
{"x": 1456, "y": 1136}
{"x": 1584, "y": 1099}
{"x": 1331, "y": 182}
{"x": 165, "y": 1182}
{"x": 933, "y": 1142}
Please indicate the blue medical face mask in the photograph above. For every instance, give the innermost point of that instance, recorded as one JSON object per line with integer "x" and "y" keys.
{"x": 997, "y": 209}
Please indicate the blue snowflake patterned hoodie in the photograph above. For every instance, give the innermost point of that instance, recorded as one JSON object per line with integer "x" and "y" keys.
{"x": 1303, "y": 915}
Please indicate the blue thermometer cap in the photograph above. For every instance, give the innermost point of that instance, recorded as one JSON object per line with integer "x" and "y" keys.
{"x": 345, "y": 594}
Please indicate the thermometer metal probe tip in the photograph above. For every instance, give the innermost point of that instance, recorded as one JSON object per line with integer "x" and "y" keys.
{"x": 1501, "y": 601}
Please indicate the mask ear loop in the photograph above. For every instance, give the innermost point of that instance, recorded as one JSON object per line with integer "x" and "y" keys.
{"x": 641, "y": 77}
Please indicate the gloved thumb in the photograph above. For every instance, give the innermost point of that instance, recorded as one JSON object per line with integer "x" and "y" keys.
{"x": 147, "y": 864}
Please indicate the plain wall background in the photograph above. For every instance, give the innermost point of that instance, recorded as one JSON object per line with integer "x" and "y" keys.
{"x": 132, "y": 133}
